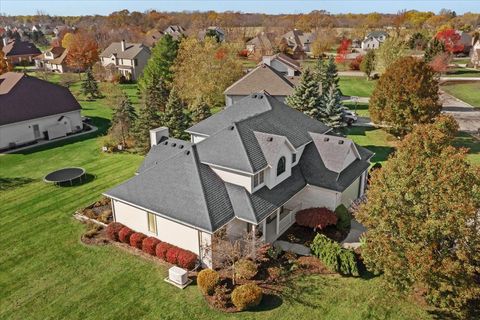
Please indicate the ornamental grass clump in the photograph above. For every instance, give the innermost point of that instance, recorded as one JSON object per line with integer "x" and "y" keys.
{"x": 247, "y": 296}
{"x": 207, "y": 280}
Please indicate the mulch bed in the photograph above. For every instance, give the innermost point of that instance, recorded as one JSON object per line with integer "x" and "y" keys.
{"x": 305, "y": 235}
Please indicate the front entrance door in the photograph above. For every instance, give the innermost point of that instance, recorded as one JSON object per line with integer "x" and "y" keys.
{"x": 36, "y": 131}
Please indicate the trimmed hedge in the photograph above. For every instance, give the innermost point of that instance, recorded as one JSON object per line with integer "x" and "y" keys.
{"x": 161, "y": 250}
{"x": 149, "y": 245}
{"x": 245, "y": 269}
{"x": 113, "y": 229}
{"x": 186, "y": 259}
{"x": 344, "y": 218}
{"x": 207, "y": 280}
{"x": 247, "y": 296}
{"x": 316, "y": 218}
{"x": 136, "y": 240}
{"x": 334, "y": 256}
{"x": 172, "y": 255}
{"x": 125, "y": 234}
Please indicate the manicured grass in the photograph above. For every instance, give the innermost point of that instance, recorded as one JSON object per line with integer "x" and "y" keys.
{"x": 376, "y": 140}
{"x": 468, "y": 92}
{"x": 356, "y": 86}
{"x": 361, "y": 108}
{"x": 468, "y": 141}
{"x": 47, "y": 273}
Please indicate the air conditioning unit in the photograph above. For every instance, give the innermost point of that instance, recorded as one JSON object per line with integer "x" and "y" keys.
{"x": 178, "y": 275}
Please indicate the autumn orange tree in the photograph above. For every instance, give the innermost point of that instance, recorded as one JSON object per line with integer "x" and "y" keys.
{"x": 83, "y": 52}
{"x": 4, "y": 65}
{"x": 422, "y": 214}
{"x": 405, "y": 95}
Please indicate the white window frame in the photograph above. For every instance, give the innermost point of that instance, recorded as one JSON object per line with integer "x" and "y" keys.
{"x": 154, "y": 217}
{"x": 259, "y": 179}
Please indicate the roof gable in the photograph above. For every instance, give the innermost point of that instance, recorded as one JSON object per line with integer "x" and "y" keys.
{"x": 337, "y": 153}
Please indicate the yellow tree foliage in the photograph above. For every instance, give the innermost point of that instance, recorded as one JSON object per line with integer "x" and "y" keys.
{"x": 204, "y": 69}
{"x": 4, "y": 65}
{"x": 422, "y": 213}
{"x": 67, "y": 40}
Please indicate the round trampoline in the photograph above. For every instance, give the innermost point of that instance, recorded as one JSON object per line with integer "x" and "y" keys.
{"x": 65, "y": 175}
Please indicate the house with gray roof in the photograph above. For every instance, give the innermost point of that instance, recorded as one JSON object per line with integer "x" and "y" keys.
{"x": 299, "y": 42}
{"x": 250, "y": 167}
{"x": 128, "y": 59}
{"x": 177, "y": 32}
{"x": 263, "y": 78}
{"x": 32, "y": 109}
{"x": 373, "y": 40}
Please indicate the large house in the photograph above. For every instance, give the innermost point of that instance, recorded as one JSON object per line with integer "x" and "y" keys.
{"x": 250, "y": 167}
{"x": 212, "y": 31}
{"x": 262, "y": 44}
{"x": 373, "y": 40}
{"x": 52, "y": 60}
{"x": 475, "y": 52}
{"x": 128, "y": 59}
{"x": 177, "y": 32}
{"x": 17, "y": 51}
{"x": 33, "y": 109}
{"x": 299, "y": 42}
{"x": 277, "y": 75}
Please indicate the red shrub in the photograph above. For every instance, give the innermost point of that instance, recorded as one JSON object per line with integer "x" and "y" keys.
{"x": 161, "y": 250}
{"x": 172, "y": 255}
{"x": 149, "y": 244}
{"x": 186, "y": 259}
{"x": 113, "y": 229}
{"x": 125, "y": 234}
{"x": 136, "y": 239}
{"x": 355, "y": 64}
{"x": 316, "y": 218}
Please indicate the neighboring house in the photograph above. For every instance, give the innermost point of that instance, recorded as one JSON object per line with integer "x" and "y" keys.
{"x": 17, "y": 51}
{"x": 152, "y": 37}
{"x": 213, "y": 31}
{"x": 250, "y": 167}
{"x": 466, "y": 41}
{"x": 52, "y": 60}
{"x": 373, "y": 40}
{"x": 262, "y": 78}
{"x": 32, "y": 109}
{"x": 175, "y": 31}
{"x": 299, "y": 42}
{"x": 283, "y": 64}
{"x": 262, "y": 44}
{"x": 475, "y": 52}
{"x": 128, "y": 59}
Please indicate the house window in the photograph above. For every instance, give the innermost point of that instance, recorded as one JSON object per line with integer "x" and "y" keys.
{"x": 283, "y": 212}
{"x": 152, "y": 222}
{"x": 135, "y": 62}
{"x": 281, "y": 166}
{"x": 294, "y": 157}
{"x": 258, "y": 179}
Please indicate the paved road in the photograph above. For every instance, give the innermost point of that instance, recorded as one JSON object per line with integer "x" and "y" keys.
{"x": 468, "y": 118}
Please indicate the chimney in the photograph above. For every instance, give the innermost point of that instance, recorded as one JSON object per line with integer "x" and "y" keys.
{"x": 123, "y": 45}
{"x": 157, "y": 134}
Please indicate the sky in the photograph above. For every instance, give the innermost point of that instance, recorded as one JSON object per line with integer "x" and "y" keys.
{"x": 104, "y": 7}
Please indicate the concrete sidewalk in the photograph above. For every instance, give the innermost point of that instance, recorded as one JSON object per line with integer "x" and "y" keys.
{"x": 352, "y": 241}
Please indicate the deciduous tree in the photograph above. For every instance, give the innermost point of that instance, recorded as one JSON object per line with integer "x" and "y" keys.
{"x": 422, "y": 215}
{"x": 405, "y": 95}
{"x": 368, "y": 64}
{"x": 451, "y": 40}
{"x": 4, "y": 65}
{"x": 123, "y": 118}
{"x": 390, "y": 51}
{"x": 434, "y": 48}
{"x": 83, "y": 52}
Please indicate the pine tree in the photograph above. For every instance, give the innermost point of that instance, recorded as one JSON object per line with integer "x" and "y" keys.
{"x": 123, "y": 119}
{"x": 175, "y": 117}
{"x": 320, "y": 70}
{"x": 201, "y": 111}
{"x": 90, "y": 86}
{"x": 332, "y": 111}
{"x": 305, "y": 97}
{"x": 331, "y": 77}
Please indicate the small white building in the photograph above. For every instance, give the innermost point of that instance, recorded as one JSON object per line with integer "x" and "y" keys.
{"x": 52, "y": 60}
{"x": 128, "y": 59}
{"x": 250, "y": 167}
{"x": 33, "y": 109}
{"x": 373, "y": 40}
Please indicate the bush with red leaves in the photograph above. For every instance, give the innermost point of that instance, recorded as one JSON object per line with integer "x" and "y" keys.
{"x": 113, "y": 229}
{"x": 316, "y": 218}
{"x": 161, "y": 250}
{"x": 125, "y": 234}
{"x": 172, "y": 255}
{"x": 355, "y": 64}
{"x": 186, "y": 259}
{"x": 136, "y": 240}
{"x": 149, "y": 244}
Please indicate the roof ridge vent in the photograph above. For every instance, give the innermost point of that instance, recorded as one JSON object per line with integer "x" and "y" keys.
{"x": 165, "y": 143}
{"x": 326, "y": 139}
{"x": 270, "y": 139}
{"x": 173, "y": 144}
{"x": 181, "y": 146}
{"x": 340, "y": 141}
{"x": 187, "y": 152}
{"x": 231, "y": 128}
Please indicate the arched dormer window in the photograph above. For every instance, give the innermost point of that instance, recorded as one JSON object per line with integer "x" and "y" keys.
{"x": 281, "y": 166}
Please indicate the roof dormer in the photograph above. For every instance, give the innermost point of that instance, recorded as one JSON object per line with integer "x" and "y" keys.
{"x": 337, "y": 153}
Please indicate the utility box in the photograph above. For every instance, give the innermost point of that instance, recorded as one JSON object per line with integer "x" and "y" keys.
{"x": 178, "y": 275}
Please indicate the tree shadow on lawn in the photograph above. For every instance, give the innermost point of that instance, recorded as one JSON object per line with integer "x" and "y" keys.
{"x": 381, "y": 153}
{"x": 101, "y": 123}
{"x": 12, "y": 183}
{"x": 269, "y": 302}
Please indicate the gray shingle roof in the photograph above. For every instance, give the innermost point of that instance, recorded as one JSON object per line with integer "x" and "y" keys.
{"x": 165, "y": 149}
{"x": 262, "y": 78}
{"x": 131, "y": 50}
{"x": 334, "y": 150}
{"x": 181, "y": 189}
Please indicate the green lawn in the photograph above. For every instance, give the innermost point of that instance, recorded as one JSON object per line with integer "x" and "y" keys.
{"x": 47, "y": 273}
{"x": 468, "y": 92}
{"x": 376, "y": 140}
{"x": 466, "y": 140}
{"x": 361, "y": 108}
{"x": 462, "y": 73}
{"x": 356, "y": 86}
